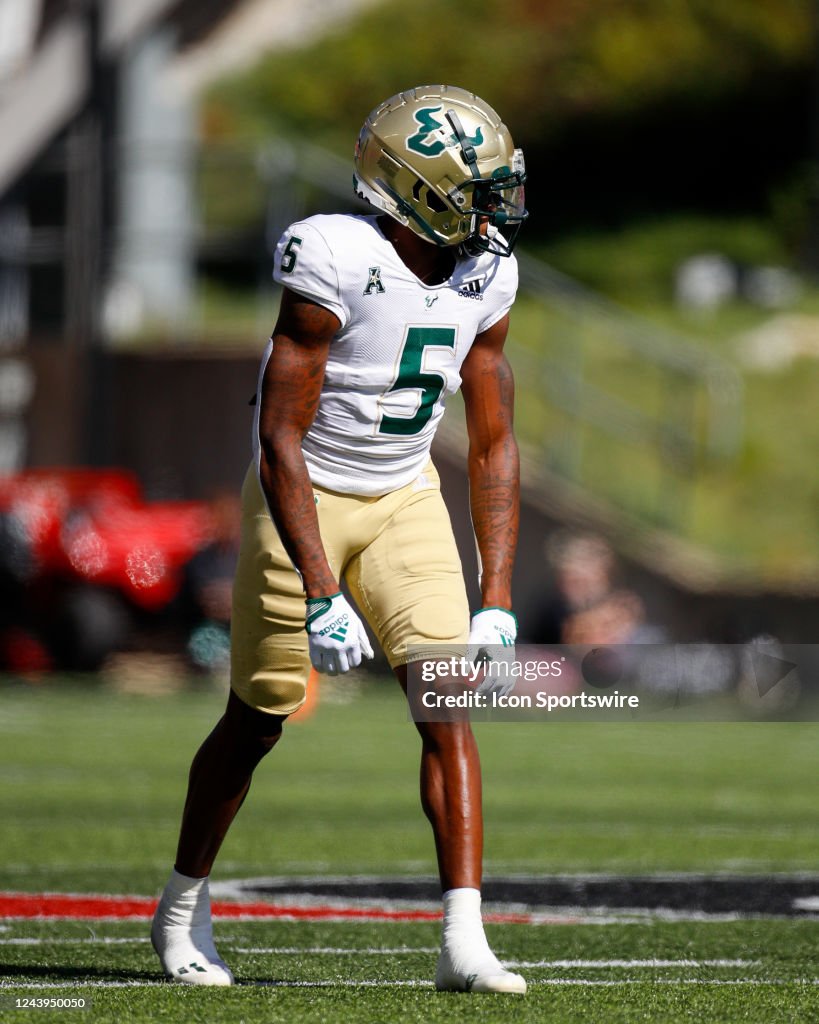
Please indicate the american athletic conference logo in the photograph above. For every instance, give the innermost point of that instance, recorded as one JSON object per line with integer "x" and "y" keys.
{"x": 374, "y": 285}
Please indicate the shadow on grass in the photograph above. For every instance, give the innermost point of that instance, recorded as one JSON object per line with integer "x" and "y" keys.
{"x": 80, "y": 973}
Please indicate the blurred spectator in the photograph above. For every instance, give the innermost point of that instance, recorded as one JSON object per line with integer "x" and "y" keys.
{"x": 589, "y": 606}
{"x": 706, "y": 281}
{"x": 208, "y": 586}
{"x": 618, "y": 618}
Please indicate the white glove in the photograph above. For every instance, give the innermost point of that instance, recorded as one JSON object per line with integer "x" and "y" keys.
{"x": 336, "y": 635}
{"x": 492, "y": 635}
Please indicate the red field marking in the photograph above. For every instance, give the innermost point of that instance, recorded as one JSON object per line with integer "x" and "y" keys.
{"x": 69, "y": 906}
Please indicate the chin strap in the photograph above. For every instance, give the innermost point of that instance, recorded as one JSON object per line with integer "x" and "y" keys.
{"x": 470, "y": 157}
{"x": 476, "y": 244}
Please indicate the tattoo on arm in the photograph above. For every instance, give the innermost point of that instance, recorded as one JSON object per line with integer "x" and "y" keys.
{"x": 291, "y": 388}
{"x": 494, "y": 467}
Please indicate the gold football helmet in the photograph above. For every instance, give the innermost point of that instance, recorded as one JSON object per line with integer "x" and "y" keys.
{"x": 440, "y": 161}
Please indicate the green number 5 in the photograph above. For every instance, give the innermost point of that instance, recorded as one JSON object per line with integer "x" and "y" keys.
{"x": 289, "y": 256}
{"x": 410, "y": 375}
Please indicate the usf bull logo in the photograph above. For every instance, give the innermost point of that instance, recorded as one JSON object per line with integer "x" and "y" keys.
{"x": 421, "y": 143}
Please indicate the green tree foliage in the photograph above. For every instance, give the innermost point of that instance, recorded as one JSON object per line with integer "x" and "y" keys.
{"x": 624, "y": 107}
{"x": 542, "y": 59}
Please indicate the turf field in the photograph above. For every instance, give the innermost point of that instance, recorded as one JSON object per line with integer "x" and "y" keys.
{"x": 92, "y": 785}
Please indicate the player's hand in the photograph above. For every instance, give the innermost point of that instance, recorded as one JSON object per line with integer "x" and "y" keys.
{"x": 492, "y": 635}
{"x": 336, "y": 635}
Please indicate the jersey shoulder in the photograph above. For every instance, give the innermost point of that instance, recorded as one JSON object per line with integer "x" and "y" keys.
{"x": 312, "y": 253}
{"x": 340, "y": 232}
{"x": 500, "y": 269}
{"x": 492, "y": 280}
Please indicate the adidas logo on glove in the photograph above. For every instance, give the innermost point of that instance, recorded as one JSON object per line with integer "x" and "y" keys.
{"x": 337, "y": 629}
{"x": 337, "y": 638}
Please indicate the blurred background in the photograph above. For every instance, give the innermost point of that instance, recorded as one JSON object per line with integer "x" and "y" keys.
{"x": 665, "y": 342}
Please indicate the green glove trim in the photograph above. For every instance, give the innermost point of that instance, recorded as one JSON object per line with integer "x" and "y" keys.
{"x": 497, "y": 608}
{"x": 322, "y": 604}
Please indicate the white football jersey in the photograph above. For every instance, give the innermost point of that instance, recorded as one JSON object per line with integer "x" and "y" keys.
{"x": 398, "y": 353}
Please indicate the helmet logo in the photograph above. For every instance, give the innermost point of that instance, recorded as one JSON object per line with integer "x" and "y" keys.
{"x": 428, "y": 125}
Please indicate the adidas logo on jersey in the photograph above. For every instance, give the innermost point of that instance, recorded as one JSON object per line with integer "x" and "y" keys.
{"x": 471, "y": 290}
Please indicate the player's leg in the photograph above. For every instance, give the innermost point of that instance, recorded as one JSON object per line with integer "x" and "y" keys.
{"x": 451, "y": 797}
{"x": 409, "y": 584}
{"x": 269, "y": 669}
{"x": 219, "y": 781}
{"x": 182, "y": 932}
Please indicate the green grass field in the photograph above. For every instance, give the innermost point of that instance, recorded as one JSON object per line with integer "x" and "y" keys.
{"x": 93, "y": 783}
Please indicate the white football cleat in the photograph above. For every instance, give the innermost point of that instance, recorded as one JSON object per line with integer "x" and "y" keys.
{"x": 485, "y": 975}
{"x": 466, "y": 963}
{"x": 182, "y": 935}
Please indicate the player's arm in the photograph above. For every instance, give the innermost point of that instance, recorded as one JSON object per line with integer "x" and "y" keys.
{"x": 289, "y": 398}
{"x": 494, "y": 465}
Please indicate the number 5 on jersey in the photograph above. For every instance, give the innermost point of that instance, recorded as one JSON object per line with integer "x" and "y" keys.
{"x": 289, "y": 256}
{"x": 411, "y": 375}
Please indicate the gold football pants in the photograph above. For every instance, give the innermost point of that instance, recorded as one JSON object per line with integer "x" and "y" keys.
{"x": 396, "y": 554}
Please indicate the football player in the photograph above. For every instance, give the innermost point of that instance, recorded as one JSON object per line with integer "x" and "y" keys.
{"x": 383, "y": 317}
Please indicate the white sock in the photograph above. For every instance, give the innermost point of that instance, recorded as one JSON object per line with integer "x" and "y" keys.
{"x": 182, "y": 933}
{"x": 463, "y": 937}
{"x": 186, "y": 890}
{"x": 466, "y": 963}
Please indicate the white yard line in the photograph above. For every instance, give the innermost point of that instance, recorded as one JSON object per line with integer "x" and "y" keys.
{"x": 566, "y": 964}
{"x": 329, "y": 950}
{"x": 629, "y": 963}
{"x": 409, "y": 983}
{"x": 677, "y": 981}
{"x": 376, "y": 951}
{"x": 226, "y": 943}
{"x": 83, "y": 941}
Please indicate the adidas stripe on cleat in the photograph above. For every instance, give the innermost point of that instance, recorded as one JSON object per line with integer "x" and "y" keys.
{"x": 489, "y": 976}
